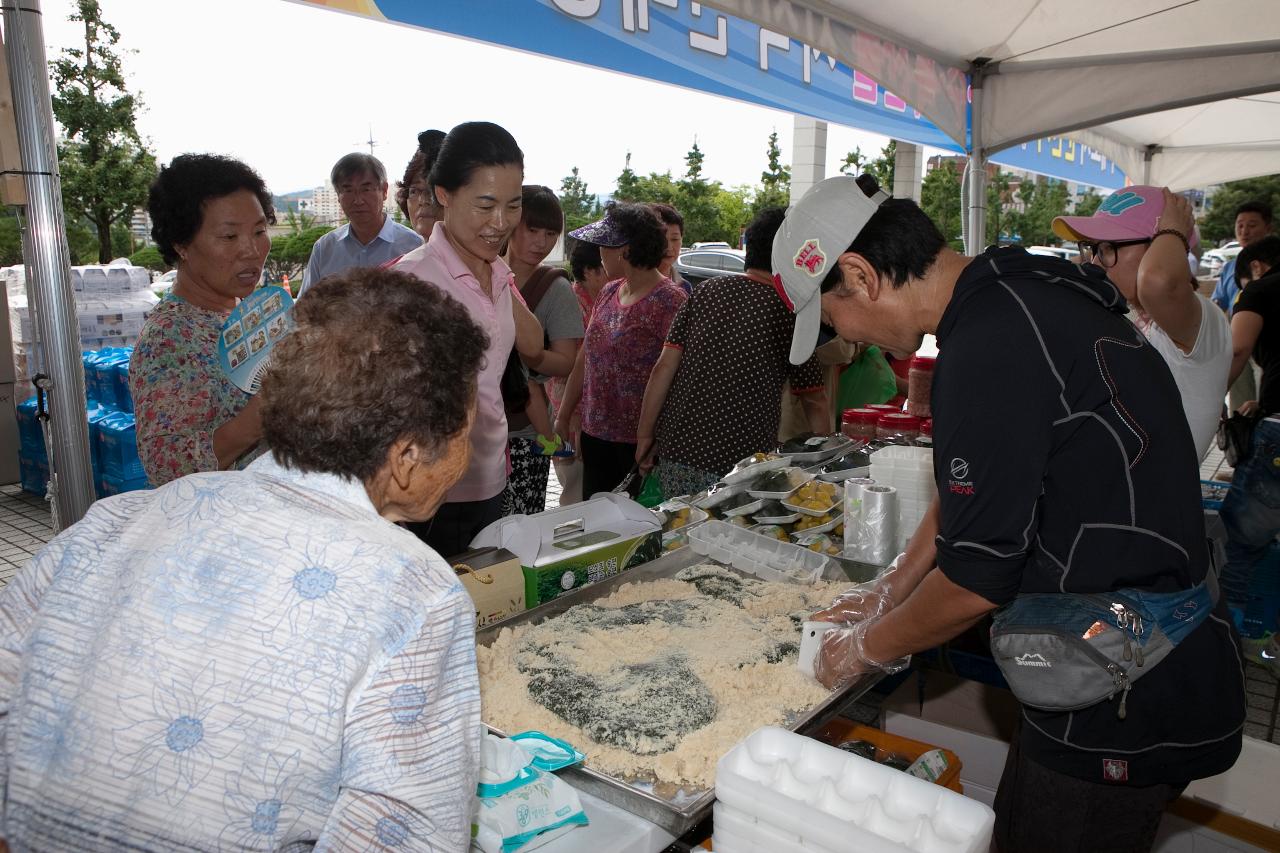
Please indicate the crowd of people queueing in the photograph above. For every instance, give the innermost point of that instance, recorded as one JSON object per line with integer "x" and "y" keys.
{"x": 269, "y": 650}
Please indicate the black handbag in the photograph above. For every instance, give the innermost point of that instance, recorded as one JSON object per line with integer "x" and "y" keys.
{"x": 514, "y": 385}
{"x": 1235, "y": 436}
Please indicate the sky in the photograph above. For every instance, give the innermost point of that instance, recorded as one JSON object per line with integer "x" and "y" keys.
{"x": 289, "y": 88}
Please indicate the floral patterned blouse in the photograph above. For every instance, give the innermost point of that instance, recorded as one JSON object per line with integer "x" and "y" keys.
{"x": 180, "y": 392}
{"x": 622, "y": 344}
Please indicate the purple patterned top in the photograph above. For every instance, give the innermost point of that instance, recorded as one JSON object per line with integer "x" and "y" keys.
{"x": 622, "y": 344}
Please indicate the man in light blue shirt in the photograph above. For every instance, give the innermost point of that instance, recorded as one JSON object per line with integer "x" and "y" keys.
{"x": 370, "y": 238}
{"x": 1253, "y": 222}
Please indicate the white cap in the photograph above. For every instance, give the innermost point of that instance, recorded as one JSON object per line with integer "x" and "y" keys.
{"x": 817, "y": 230}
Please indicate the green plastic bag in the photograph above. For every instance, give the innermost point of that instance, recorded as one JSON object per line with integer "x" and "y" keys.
{"x": 869, "y": 379}
{"x": 650, "y": 492}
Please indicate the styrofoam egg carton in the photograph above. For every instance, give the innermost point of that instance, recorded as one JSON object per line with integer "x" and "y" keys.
{"x": 739, "y": 832}
{"x": 762, "y": 556}
{"x": 838, "y": 801}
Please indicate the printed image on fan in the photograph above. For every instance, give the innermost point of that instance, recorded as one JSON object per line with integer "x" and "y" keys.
{"x": 250, "y": 334}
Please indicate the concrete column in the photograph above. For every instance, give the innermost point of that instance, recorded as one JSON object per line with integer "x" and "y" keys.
{"x": 908, "y": 171}
{"x": 808, "y": 155}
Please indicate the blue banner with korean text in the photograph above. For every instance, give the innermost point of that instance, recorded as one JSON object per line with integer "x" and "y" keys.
{"x": 698, "y": 47}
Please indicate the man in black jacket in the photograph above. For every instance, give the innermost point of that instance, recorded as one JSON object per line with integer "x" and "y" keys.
{"x": 1064, "y": 463}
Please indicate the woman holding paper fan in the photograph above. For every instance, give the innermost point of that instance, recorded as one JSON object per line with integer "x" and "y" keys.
{"x": 209, "y": 217}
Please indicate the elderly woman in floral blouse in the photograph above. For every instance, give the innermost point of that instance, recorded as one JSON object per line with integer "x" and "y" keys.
{"x": 210, "y": 216}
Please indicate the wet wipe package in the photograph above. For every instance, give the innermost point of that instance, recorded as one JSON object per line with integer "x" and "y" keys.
{"x": 520, "y": 804}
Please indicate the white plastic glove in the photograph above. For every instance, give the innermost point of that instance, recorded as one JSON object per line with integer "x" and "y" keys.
{"x": 867, "y": 600}
{"x": 843, "y": 657}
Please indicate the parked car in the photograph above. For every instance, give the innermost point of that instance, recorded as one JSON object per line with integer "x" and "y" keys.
{"x": 712, "y": 244}
{"x": 697, "y": 265}
{"x": 1211, "y": 261}
{"x": 165, "y": 282}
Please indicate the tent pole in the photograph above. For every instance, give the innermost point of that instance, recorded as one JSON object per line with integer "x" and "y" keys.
{"x": 977, "y": 201}
{"x": 1148, "y": 155}
{"x": 49, "y": 265}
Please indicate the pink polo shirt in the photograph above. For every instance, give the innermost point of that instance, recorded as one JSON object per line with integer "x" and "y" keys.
{"x": 436, "y": 261}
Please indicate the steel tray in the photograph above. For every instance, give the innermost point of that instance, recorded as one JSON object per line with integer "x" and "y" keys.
{"x": 678, "y": 810}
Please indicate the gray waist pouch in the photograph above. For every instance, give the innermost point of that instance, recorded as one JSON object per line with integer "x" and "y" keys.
{"x": 1067, "y": 651}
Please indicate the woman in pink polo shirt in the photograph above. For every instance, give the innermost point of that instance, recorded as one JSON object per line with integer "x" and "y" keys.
{"x": 477, "y": 179}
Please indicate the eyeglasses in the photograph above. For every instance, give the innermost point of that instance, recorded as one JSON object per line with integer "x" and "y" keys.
{"x": 1104, "y": 253}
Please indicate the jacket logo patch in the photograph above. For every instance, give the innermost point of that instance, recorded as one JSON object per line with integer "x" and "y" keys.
{"x": 1115, "y": 770}
{"x": 1032, "y": 659}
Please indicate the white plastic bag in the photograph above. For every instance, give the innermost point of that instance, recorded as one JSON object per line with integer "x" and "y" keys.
{"x": 518, "y": 806}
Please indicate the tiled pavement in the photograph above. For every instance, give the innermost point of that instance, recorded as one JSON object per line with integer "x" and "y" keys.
{"x": 25, "y": 526}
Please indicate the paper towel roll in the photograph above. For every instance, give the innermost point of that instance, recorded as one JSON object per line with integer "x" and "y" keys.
{"x": 878, "y": 525}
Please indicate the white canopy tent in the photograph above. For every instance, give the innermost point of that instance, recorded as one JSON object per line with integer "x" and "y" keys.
{"x": 1178, "y": 92}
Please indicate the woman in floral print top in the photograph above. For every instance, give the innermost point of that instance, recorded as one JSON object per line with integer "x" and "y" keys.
{"x": 210, "y": 217}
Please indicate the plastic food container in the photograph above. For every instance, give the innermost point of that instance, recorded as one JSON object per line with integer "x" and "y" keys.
{"x": 919, "y": 386}
{"x": 717, "y": 495}
{"x": 859, "y": 423}
{"x": 837, "y": 497}
{"x": 774, "y": 512}
{"x": 753, "y": 466}
{"x": 883, "y": 408}
{"x": 742, "y": 504}
{"x": 816, "y": 449}
{"x": 778, "y": 484}
{"x": 786, "y": 793}
{"x": 898, "y": 428}
{"x": 758, "y": 555}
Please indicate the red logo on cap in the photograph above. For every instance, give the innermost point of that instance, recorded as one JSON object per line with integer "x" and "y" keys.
{"x": 810, "y": 258}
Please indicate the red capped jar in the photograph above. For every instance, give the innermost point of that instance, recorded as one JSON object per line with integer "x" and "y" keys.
{"x": 860, "y": 424}
{"x": 897, "y": 428}
{"x": 920, "y": 386}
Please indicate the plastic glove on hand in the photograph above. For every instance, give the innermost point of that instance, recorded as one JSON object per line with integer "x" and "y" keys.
{"x": 864, "y": 601}
{"x": 855, "y": 605}
{"x": 843, "y": 658}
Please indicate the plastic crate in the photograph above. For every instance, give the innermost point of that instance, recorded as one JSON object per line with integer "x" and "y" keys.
{"x": 762, "y": 556}
{"x": 840, "y": 729}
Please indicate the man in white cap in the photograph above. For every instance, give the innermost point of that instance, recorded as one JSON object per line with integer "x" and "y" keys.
{"x": 1141, "y": 236}
{"x": 1064, "y": 465}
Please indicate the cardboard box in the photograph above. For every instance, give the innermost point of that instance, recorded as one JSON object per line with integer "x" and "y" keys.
{"x": 577, "y": 545}
{"x": 973, "y": 720}
{"x": 493, "y": 579}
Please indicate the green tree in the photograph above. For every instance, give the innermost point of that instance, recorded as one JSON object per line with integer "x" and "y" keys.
{"x": 1042, "y": 201}
{"x": 290, "y": 252}
{"x": 1219, "y": 222}
{"x": 734, "y": 210}
{"x": 854, "y": 162}
{"x": 696, "y": 200}
{"x": 1088, "y": 205}
{"x": 105, "y": 167}
{"x": 881, "y": 168}
{"x": 775, "y": 181}
{"x": 940, "y": 199}
{"x": 10, "y": 238}
{"x": 998, "y": 200}
{"x": 149, "y": 257}
{"x": 627, "y": 183}
{"x": 578, "y": 204}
